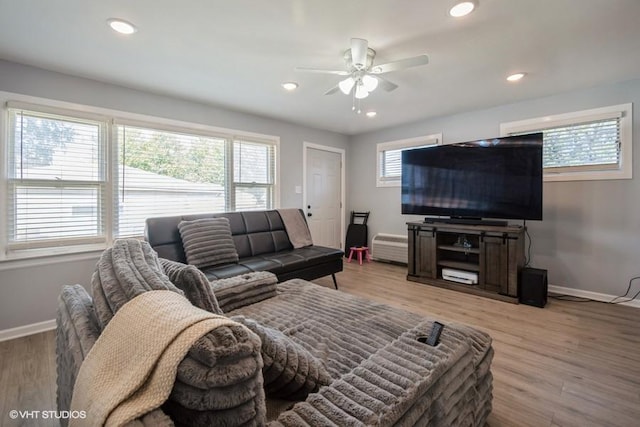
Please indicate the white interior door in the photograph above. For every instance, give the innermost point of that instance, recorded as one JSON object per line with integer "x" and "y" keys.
{"x": 324, "y": 196}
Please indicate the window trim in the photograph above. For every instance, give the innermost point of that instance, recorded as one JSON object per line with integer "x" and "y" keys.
{"x": 12, "y": 183}
{"x": 234, "y": 185}
{"x": 110, "y": 117}
{"x": 584, "y": 173}
{"x": 381, "y": 147}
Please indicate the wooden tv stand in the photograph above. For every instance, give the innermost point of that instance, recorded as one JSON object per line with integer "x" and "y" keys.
{"x": 495, "y": 253}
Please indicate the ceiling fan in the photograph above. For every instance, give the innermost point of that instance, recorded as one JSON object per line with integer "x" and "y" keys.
{"x": 363, "y": 76}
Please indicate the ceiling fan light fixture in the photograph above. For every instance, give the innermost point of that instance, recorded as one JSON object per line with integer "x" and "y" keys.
{"x": 346, "y": 85}
{"x": 370, "y": 83}
{"x": 360, "y": 77}
{"x": 361, "y": 92}
{"x": 463, "y": 8}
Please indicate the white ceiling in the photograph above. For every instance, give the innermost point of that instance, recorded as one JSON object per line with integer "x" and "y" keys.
{"x": 235, "y": 53}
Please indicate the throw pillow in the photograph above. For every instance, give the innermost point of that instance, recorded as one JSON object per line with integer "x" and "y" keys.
{"x": 239, "y": 291}
{"x": 127, "y": 269}
{"x": 193, "y": 283}
{"x": 289, "y": 371}
{"x": 207, "y": 242}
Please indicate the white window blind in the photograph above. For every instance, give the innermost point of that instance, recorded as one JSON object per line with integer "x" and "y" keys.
{"x": 390, "y": 157}
{"x": 77, "y": 177}
{"x": 163, "y": 173}
{"x": 584, "y": 145}
{"x": 253, "y": 174}
{"x": 56, "y": 180}
{"x": 596, "y": 145}
{"x": 391, "y": 164}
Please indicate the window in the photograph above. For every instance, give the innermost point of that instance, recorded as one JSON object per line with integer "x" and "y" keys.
{"x": 162, "y": 173}
{"x": 586, "y": 145}
{"x": 253, "y": 174}
{"x": 56, "y": 165}
{"x": 389, "y": 167}
{"x": 75, "y": 181}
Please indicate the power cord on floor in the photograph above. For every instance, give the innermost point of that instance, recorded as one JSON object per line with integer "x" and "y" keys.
{"x": 613, "y": 301}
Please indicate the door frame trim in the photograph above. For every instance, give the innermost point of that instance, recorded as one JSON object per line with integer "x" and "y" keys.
{"x": 306, "y": 146}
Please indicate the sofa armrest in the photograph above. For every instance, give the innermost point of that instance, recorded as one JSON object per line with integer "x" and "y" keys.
{"x": 219, "y": 382}
{"x": 76, "y": 332}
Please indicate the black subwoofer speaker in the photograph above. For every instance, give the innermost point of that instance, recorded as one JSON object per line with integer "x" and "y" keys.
{"x": 532, "y": 287}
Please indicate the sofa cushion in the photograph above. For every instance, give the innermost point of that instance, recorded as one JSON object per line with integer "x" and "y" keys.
{"x": 193, "y": 283}
{"x": 127, "y": 269}
{"x": 302, "y": 258}
{"x": 290, "y": 371}
{"x": 238, "y": 291}
{"x": 208, "y": 242}
{"x": 225, "y": 271}
{"x": 277, "y": 263}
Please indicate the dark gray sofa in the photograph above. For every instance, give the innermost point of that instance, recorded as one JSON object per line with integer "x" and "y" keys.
{"x": 261, "y": 242}
{"x": 379, "y": 374}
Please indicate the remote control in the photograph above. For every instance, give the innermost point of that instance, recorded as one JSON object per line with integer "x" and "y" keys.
{"x": 434, "y": 336}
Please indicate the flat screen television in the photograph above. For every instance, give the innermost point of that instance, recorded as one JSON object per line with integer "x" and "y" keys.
{"x": 489, "y": 178}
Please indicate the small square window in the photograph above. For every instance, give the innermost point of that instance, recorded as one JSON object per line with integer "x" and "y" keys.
{"x": 389, "y": 155}
{"x": 585, "y": 145}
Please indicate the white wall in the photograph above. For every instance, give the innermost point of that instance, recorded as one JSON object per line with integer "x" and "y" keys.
{"x": 589, "y": 238}
{"x": 28, "y": 292}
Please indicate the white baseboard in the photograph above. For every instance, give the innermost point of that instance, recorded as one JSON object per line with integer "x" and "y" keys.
{"x": 596, "y": 296}
{"x": 23, "y": 331}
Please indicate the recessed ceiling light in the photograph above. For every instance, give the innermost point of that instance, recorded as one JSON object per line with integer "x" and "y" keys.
{"x": 290, "y": 86}
{"x": 516, "y": 76}
{"x": 371, "y": 114}
{"x": 121, "y": 26}
{"x": 463, "y": 8}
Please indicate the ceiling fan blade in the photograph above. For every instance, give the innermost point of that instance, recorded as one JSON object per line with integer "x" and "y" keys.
{"x": 386, "y": 84}
{"x": 359, "y": 53}
{"x": 322, "y": 71}
{"x": 333, "y": 90}
{"x": 400, "y": 65}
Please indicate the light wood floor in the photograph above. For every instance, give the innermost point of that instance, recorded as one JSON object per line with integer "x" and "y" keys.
{"x": 569, "y": 364}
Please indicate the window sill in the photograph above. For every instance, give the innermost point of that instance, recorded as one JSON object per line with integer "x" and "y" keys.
{"x": 388, "y": 183}
{"x": 37, "y": 257}
{"x": 587, "y": 176}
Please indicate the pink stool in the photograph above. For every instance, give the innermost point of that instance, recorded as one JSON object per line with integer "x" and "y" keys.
{"x": 359, "y": 250}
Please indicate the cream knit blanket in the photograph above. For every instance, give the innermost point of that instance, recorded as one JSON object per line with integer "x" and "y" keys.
{"x": 131, "y": 368}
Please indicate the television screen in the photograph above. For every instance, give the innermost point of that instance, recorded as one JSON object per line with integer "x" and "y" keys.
{"x": 489, "y": 178}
